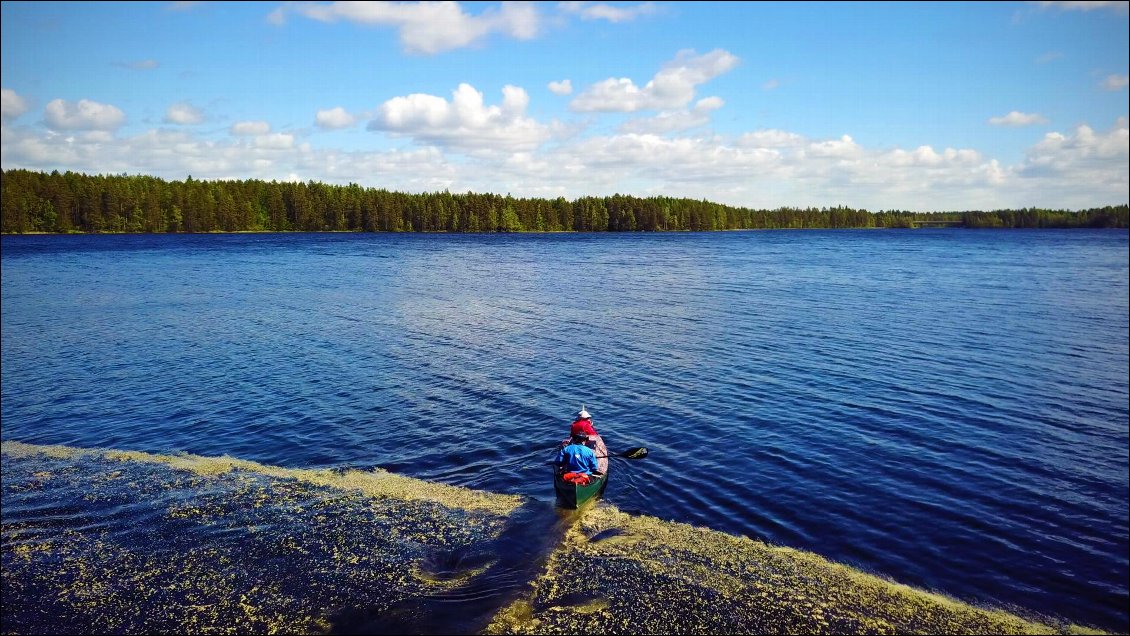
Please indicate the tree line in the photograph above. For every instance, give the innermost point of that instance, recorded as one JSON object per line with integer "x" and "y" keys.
{"x": 74, "y": 202}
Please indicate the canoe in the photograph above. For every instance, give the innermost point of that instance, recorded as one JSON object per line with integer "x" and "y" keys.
{"x": 575, "y": 495}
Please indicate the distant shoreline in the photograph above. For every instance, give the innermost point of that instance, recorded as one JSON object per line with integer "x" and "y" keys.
{"x": 73, "y": 203}
{"x": 523, "y": 232}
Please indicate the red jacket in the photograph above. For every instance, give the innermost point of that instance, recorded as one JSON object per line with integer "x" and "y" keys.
{"x": 582, "y": 427}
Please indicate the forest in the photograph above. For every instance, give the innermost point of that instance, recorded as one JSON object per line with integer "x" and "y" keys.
{"x": 70, "y": 202}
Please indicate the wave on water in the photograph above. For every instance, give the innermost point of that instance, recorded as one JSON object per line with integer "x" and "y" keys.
{"x": 99, "y": 541}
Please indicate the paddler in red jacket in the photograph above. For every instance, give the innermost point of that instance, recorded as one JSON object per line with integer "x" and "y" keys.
{"x": 582, "y": 425}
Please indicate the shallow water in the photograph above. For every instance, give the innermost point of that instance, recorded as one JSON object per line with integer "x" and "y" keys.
{"x": 944, "y": 407}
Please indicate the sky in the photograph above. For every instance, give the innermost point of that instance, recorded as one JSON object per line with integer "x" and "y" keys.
{"x": 920, "y": 106}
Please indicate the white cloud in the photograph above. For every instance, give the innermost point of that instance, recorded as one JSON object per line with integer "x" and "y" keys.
{"x": 926, "y": 156}
{"x": 93, "y": 137}
{"x": 85, "y": 115}
{"x": 1050, "y": 56}
{"x": 250, "y": 128}
{"x": 1083, "y": 5}
{"x": 601, "y": 11}
{"x": 274, "y": 141}
{"x": 665, "y": 122}
{"x": 426, "y": 27}
{"x": 770, "y": 138}
{"x": 277, "y": 16}
{"x": 671, "y": 121}
{"x": 184, "y": 114}
{"x": 139, "y": 65}
{"x": 11, "y": 105}
{"x": 1064, "y": 152}
{"x": 1079, "y": 169}
{"x": 334, "y": 118}
{"x": 1017, "y": 118}
{"x": 771, "y": 84}
{"x": 842, "y": 148}
{"x": 708, "y": 104}
{"x": 672, "y": 87}
{"x": 464, "y": 122}
{"x": 564, "y": 87}
{"x": 1115, "y": 82}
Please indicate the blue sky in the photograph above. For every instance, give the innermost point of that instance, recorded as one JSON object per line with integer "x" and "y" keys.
{"x": 884, "y": 105}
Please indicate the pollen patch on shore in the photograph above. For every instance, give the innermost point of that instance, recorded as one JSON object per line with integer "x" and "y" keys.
{"x": 98, "y": 541}
{"x": 642, "y": 575}
{"x": 108, "y": 541}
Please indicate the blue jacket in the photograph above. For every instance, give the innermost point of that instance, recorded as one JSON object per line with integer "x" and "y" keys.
{"x": 577, "y": 458}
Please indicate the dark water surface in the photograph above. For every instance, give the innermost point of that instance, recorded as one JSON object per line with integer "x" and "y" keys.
{"x": 948, "y": 408}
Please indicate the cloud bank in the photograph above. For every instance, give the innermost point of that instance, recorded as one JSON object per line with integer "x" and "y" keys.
{"x": 514, "y": 153}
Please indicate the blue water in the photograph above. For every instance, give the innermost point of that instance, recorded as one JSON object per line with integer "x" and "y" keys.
{"x": 948, "y": 408}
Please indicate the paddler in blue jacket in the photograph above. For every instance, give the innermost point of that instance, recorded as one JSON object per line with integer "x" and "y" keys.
{"x": 576, "y": 457}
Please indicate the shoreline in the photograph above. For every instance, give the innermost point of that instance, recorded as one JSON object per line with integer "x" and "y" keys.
{"x": 608, "y": 572}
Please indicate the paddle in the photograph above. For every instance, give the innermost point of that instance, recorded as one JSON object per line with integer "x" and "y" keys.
{"x": 632, "y": 453}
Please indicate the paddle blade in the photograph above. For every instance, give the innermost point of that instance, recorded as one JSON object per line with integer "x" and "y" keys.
{"x": 635, "y": 453}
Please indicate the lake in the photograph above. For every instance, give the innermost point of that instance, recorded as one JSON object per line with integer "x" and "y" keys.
{"x": 944, "y": 407}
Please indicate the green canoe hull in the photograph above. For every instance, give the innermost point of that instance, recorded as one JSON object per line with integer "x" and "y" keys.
{"x": 571, "y": 495}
